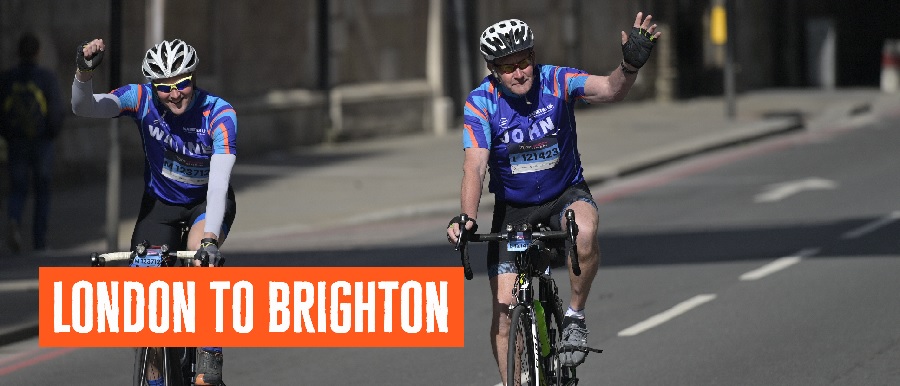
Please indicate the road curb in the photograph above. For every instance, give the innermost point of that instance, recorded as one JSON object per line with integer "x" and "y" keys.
{"x": 595, "y": 174}
{"x": 19, "y": 332}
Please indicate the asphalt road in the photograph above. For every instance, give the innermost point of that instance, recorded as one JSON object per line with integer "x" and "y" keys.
{"x": 774, "y": 263}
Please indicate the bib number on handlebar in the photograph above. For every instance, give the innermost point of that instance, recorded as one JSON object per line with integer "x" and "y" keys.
{"x": 518, "y": 241}
{"x": 152, "y": 259}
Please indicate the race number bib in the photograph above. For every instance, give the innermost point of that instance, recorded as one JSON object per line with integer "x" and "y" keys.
{"x": 151, "y": 259}
{"x": 185, "y": 169}
{"x": 518, "y": 241}
{"x": 533, "y": 156}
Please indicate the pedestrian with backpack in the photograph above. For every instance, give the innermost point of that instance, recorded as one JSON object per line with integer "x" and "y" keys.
{"x": 31, "y": 116}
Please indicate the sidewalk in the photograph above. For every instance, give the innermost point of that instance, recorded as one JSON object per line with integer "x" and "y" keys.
{"x": 355, "y": 183}
{"x": 287, "y": 194}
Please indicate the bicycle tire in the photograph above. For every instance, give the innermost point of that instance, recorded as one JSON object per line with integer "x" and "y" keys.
{"x": 521, "y": 349}
{"x": 561, "y": 375}
{"x": 158, "y": 362}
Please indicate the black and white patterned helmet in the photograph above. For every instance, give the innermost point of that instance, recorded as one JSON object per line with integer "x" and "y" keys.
{"x": 504, "y": 38}
{"x": 168, "y": 59}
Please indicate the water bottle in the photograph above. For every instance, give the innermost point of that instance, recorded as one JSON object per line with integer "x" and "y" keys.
{"x": 542, "y": 328}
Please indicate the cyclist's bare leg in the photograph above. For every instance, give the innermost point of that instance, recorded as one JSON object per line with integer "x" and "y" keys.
{"x": 196, "y": 234}
{"x": 501, "y": 287}
{"x": 588, "y": 253}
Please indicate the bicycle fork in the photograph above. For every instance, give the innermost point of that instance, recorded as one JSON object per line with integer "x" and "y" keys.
{"x": 155, "y": 368}
{"x": 524, "y": 296}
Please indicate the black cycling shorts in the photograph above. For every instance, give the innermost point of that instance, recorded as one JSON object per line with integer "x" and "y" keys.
{"x": 550, "y": 213}
{"x": 160, "y": 223}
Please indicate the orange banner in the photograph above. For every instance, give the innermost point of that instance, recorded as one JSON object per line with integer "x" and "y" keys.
{"x": 252, "y": 307}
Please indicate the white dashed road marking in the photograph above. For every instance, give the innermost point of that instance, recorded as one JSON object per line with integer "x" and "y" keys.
{"x": 872, "y": 226}
{"x": 667, "y": 315}
{"x": 19, "y": 285}
{"x": 778, "y": 265}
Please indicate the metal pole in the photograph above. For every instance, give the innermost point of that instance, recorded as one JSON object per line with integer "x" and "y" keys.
{"x": 323, "y": 46}
{"x": 155, "y": 21}
{"x": 324, "y": 55}
{"x": 570, "y": 31}
{"x": 440, "y": 104}
{"x": 113, "y": 176}
{"x": 465, "y": 64}
{"x": 728, "y": 71}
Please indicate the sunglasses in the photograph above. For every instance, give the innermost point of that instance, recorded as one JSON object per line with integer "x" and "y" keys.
{"x": 510, "y": 68}
{"x": 180, "y": 85}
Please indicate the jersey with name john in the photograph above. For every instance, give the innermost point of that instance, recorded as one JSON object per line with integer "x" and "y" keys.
{"x": 178, "y": 148}
{"x": 532, "y": 138}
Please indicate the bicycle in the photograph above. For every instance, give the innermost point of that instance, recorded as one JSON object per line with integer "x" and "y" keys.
{"x": 535, "y": 339}
{"x": 173, "y": 366}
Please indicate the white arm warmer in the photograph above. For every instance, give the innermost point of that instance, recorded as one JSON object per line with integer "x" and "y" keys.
{"x": 87, "y": 104}
{"x": 220, "y": 166}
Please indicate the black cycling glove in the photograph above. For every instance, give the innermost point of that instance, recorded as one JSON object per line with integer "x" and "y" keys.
{"x": 457, "y": 219}
{"x": 636, "y": 51}
{"x": 87, "y": 64}
{"x": 210, "y": 246}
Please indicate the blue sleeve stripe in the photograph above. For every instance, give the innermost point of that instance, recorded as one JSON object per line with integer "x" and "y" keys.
{"x": 480, "y": 105}
{"x": 130, "y": 98}
{"x": 556, "y": 82}
{"x": 470, "y": 139}
{"x": 223, "y": 138}
{"x": 223, "y": 128}
{"x": 474, "y": 120}
{"x": 575, "y": 84}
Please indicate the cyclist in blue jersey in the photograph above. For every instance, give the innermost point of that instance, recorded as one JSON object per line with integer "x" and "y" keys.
{"x": 519, "y": 126}
{"x": 189, "y": 143}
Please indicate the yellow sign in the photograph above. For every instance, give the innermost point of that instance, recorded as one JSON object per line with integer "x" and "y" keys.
{"x": 718, "y": 27}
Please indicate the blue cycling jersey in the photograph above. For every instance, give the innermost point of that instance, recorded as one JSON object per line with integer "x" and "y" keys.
{"x": 178, "y": 148}
{"x": 532, "y": 141}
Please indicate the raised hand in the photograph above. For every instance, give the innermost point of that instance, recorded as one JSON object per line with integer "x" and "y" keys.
{"x": 637, "y": 45}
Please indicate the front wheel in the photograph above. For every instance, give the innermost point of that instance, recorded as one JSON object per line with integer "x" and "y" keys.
{"x": 521, "y": 367}
{"x": 149, "y": 366}
{"x": 159, "y": 366}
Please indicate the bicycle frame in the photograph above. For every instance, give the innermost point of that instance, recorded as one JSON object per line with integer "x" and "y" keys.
{"x": 176, "y": 364}
{"x": 539, "y": 323}
{"x": 541, "y": 317}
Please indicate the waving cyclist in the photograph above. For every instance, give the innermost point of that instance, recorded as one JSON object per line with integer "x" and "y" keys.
{"x": 188, "y": 138}
{"x": 520, "y": 126}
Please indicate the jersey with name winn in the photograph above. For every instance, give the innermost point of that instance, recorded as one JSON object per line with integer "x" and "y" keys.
{"x": 532, "y": 138}
{"x": 178, "y": 148}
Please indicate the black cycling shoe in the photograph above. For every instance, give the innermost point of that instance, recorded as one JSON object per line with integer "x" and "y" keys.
{"x": 209, "y": 368}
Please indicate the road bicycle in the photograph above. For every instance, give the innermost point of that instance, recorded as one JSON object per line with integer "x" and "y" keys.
{"x": 535, "y": 338}
{"x": 169, "y": 366}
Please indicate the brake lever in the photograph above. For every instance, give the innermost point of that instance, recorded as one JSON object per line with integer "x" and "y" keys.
{"x": 462, "y": 246}
{"x": 572, "y": 229}
{"x": 204, "y": 258}
{"x": 463, "y": 218}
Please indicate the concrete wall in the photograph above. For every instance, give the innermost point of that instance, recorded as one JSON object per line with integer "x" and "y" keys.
{"x": 263, "y": 56}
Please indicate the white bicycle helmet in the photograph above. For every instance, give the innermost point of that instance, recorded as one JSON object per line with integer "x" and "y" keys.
{"x": 504, "y": 38}
{"x": 168, "y": 59}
